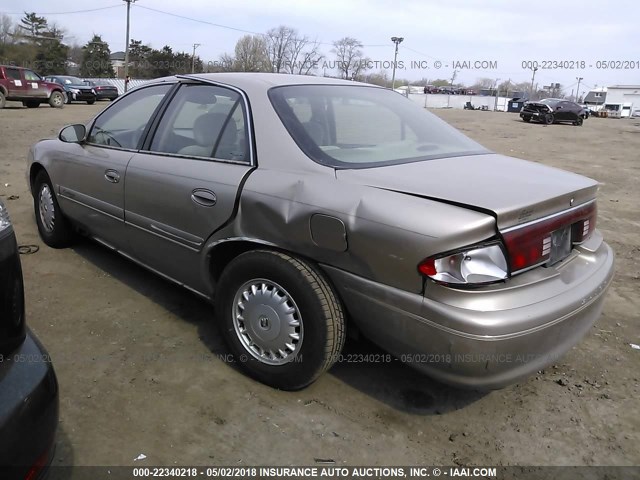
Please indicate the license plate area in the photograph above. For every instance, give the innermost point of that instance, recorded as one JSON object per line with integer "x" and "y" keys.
{"x": 560, "y": 245}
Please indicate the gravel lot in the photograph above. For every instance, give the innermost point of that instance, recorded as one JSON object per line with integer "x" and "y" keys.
{"x": 142, "y": 369}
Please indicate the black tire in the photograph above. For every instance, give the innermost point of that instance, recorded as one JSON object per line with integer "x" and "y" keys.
{"x": 317, "y": 311}
{"x": 67, "y": 98}
{"x": 579, "y": 121}
{"x": 59, "y": 234}
{"x": 3, "y": 100}
{"x": 526, "y": 119}
{"x": 31, "y": 103}
{"x": 56, "y": 100}
{"x": 548, "y": 119}
{"x": 90, "y": 102}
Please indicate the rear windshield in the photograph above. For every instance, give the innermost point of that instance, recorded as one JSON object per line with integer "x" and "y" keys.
{"x": 358, "y": 127}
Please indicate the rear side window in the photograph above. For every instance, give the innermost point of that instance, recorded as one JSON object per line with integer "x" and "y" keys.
{"x": 123, "y": 124}
{"x": 13, "y": 73}
{"x": 203, "y": 121}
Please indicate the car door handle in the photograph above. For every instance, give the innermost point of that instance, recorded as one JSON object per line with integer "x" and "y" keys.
{"x": 203, "y": 197}
{"x": 112, "y": 176}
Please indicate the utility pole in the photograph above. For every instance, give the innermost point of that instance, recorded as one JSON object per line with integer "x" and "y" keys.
{"x": 126, "y": 48}
{"x": 495, "y": 105}
{"x": 578, "y": 89}
{"x": 397, "y": 41}
{"x": 453, "y": 78}
{"x": 193, "y": 57}
{"x": 535, "y": 69}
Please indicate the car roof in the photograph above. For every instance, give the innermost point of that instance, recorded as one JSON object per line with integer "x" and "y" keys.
{"x": 265, "y": 80}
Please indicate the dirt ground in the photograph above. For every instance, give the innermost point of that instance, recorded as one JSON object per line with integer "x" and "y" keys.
{"x": 142, "y": 370}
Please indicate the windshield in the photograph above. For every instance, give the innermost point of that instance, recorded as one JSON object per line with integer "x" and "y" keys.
{"x": 552, "y": 102}
{"x": 71, "y": 80}
{"x": 357, "y": 126}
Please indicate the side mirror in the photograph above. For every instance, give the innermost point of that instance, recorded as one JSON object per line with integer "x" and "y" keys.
{"x": 73, "y": 133}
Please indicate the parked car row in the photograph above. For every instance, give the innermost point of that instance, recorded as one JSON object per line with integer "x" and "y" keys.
{"x": 23, "y": 85}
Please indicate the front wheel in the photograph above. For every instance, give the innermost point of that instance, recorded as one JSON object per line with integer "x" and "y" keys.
{"x": 53, "y": 227}
{"x": 56, "y": 100}
{"x": 526, "y": 119}
{"x": 579, "y": 121}
{"x": 548, "y": 118}
{"x": 281, "y": 318}
{"x": 31, "y": 103}
{"x": 90, "y": 102}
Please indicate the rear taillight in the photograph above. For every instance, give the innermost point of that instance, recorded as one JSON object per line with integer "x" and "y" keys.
{"x": 530, "y": 244}
{"x": 473, "y": 265}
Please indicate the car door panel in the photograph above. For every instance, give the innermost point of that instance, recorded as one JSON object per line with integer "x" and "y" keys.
{"x": 166, "y": 219}
{"x": 86, "y": 195}
{"x": 184, "y": 186}
{"x": 16, "y": 84}
{"x": 90, "y": 176}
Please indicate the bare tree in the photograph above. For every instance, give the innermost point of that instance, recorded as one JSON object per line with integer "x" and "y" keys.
{"x": 304, "y": 56}
{"x": 251, "y": 55}
{"x": 6, "y": 29}
{"x": 349, "y": 57}
{"x": 280, "y": 42}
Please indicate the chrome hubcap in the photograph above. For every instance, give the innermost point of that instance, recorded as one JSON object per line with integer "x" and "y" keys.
{"x": 46, "y": 208}
{"x": 267, "y": 321}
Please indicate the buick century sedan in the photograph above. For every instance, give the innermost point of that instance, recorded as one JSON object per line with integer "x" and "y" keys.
{"x": 305, "y": 206}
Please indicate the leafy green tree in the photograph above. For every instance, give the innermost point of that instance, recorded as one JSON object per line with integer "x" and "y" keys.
{"x": 139, "y": 59}
{"x": 96, "y": 60}
{"x": 51, "y": 56}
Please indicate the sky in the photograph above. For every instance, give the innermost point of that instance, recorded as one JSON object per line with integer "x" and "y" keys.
{"x": 498, "y": 39}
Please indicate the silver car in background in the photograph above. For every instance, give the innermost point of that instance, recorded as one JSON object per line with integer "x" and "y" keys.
{"x": 301, "y": 206}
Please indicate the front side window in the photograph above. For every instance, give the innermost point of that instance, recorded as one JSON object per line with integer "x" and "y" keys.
{"x": 358, "y": 127}
{"x": 31, "y": 76}
{"x": 203, "y": 121}
{"x": 123, "y": 124}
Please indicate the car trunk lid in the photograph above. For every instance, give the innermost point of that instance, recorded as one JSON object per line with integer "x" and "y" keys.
{"x": 514, "y": 191}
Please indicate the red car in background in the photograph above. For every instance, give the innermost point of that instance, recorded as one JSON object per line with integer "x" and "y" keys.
{"x": 19, "y": 84}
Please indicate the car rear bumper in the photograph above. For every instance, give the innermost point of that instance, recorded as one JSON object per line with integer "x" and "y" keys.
{"x": 81, "y": 97}
{"x": 108, "y": 95}
{"x": 490, "y": 337}
{"x": 28, "y": 410}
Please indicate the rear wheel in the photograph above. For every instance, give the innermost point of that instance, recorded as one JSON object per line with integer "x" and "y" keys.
{"x": 548, "y": 118}
{"x": 282, "y": 320}
{"x": 56, "y": 100}
{"x": 55, "y": 230}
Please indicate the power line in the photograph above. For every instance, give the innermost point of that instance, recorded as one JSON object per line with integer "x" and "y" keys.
{"x": 64, "y": 13}
{"x": 219, "y": 25}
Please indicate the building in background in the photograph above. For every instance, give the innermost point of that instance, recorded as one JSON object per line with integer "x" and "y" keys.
{"x": 117, "y": 62}
{"x": 621, "y": 100}
{"x": 595, "y": 98}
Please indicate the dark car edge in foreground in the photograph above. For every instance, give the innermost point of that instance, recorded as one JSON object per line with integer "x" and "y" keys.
{"x": 28, "y": 385}
{"x": 303, "y": 206}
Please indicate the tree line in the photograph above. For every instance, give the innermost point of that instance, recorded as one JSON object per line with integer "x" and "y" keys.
{"x": 40, "y": 45}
